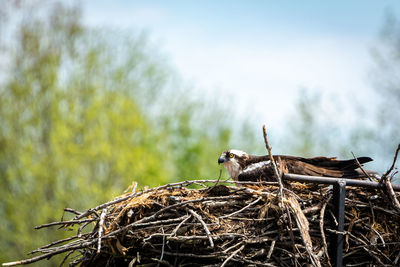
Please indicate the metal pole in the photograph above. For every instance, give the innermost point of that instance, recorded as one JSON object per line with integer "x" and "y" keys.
{"x": 333, "y": 180}
{"x": 339, "y": 196}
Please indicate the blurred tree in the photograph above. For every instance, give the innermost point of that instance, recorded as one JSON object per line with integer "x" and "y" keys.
{"x": 385, "y": 78}
{"x": 303, "y": 125}
{"x": 375, "y": 131}
{"x": 311, "y": 130}
{"x": 83, "y": 114}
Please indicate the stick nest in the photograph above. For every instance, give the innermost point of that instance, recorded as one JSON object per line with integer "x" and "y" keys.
{"x": 235, "y": 224}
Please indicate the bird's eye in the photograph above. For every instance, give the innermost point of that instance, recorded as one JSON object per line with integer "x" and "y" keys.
{"x": 231, "y": 155}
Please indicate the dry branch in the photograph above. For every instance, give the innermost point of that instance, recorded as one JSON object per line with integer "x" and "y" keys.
{"x": 386, "y": 179}
{"x": 278, "y": 175}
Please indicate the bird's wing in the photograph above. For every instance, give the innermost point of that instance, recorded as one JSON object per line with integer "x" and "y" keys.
{"x": 331, "y": 167}
{"x": 317, "y": 166}
{"x": 333, "y": 163}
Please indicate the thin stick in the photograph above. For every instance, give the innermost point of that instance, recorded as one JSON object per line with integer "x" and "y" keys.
{"x": 290, "y": 224}
{"x": 102, "y": 216}
{"x": 276, "y": 171}
{"x": 271, "y": 249}
{"x": 361, "y": 167}
{"x": 80, "y": 229}
{"x": 232, "y": 247}
{"x": 394, "y": 162}
{"x": 187, "y": 217}
{"x": 47, "y": 255}
{"x": 321, "y": 227}
{"x": 232, "y": 255}
{"x": 65, "y": 222}
{"x": 385, "y": 179}
{"x": 219, "y": 178}
{"x": 392, "y": 194}
{"x": 54, "y": 243}
{"x": 208, "y": 233}
{"x": 303, "y": 225}
{"x": 66, "y": 257}
{"x": 242, "y": 209}
{"x": 163, "y": 247}
{"x": 72, "y": 211}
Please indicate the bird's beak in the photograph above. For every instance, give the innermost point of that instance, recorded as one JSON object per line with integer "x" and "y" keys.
{"x": 221, "y": 160}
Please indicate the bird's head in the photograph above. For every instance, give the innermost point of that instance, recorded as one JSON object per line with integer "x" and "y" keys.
{"x": 234, "y": 161}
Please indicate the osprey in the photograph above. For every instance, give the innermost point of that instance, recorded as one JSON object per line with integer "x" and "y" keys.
{"x": 244, "y": 167}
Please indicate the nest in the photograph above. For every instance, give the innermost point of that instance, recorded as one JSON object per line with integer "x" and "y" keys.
{"x": 235, "y": 223}
{"x": 231, "y": 224}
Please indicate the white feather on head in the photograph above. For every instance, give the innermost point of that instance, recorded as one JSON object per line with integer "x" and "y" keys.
{"x": 237, "y": 152}
{"x": 232, "y": 165}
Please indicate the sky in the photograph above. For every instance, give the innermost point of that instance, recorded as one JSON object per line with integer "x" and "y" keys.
{"x": 256, "y": 55}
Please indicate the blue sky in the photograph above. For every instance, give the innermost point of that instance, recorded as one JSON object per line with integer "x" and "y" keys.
{"x": 255, "y": 55}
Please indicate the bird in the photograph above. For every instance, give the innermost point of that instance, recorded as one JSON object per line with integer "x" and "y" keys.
{"x": 244, "y": 167}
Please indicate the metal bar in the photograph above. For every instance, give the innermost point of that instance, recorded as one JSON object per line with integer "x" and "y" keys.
{"x": 339, "y": 195}
{"x": 333, "y": 180}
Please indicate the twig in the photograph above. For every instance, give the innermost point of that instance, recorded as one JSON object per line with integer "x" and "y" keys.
{"x": 276, "y": 171}
{"x": 232, "y": 247}
{"x": 380, "y": 237}
{"x": 66, "y": 257}
{"x": 72, "y": 211}
{"x": 393, "y": 163}
{"x": 290, "y": 224}
{"x": 219, "y": 178}
{"x": 184, "y": 239}
{"x": 65, "y": 222}
{"x": 321, "y": 227}
{"x": 392, "y": 194}
{"x": 385, "y": 179}
{"x": 190, "y": 255}
{"x": 208, "y": 233}
{"x": 100, "y": 232}
{"x": 162, "y": 248}
{"x": 53, "y": 243}
{"x": 242, "y": 209}
{"x": 271, "y": 249}
{"x": 361, "y": 167}
{"x": 334, "y": 218}
{"x": 187, "y": 217}
{"x": 47, "y": 255}
{"x": 80, "y": 229}
{"x": 303, "y": 225}
{"x": 371, "y": 253}
{"x": 232, "y": 255}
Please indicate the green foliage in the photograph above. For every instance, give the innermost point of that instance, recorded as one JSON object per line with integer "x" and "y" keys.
{"x": 85, "y": 113}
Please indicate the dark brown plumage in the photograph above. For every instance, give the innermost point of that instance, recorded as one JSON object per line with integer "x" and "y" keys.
{"x": 318, "y": 166}
{"x": 244, "y": 167}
